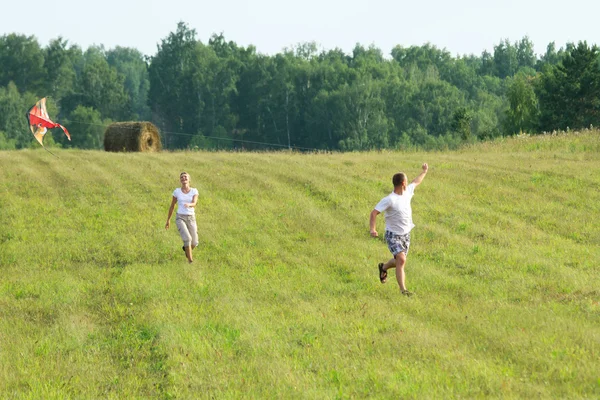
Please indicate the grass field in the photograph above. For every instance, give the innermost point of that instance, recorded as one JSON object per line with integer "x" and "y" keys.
{"x": 283, "y": 300}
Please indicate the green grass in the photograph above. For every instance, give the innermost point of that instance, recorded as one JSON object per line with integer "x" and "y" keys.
{"x": 283, "y": 300}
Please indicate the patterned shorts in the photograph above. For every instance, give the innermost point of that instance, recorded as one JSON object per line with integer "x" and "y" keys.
{"x": 397, "y": 243}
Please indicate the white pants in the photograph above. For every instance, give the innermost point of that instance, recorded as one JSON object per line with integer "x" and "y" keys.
{"x": 188, "y": 230}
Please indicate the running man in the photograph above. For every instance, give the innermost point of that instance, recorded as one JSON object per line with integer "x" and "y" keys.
{"x": 398, "y": 224}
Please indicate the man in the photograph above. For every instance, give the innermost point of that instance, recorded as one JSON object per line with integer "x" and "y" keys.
{"x": 398, "y": 224}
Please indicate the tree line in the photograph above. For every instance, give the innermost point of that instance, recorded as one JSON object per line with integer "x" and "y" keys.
{"x": 219, "y": 95}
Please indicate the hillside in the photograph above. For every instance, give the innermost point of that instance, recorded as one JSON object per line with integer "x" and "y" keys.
{"x": 283, "y": 299}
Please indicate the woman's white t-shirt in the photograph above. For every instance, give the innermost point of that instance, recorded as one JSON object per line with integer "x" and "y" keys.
{"x": 183, "y": 199}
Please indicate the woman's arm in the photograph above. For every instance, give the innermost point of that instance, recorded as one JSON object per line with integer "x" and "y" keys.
{"x": 171, "y": 212}
{"x": 193, "y": 203}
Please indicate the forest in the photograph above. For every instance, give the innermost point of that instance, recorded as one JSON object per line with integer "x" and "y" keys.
{"x": 219, "y": 95}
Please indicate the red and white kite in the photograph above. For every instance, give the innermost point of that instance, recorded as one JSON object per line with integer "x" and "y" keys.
{"x": 39, "y": 121}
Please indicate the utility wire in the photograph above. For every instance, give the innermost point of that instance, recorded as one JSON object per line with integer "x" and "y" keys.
{"x": 217, "y": 138}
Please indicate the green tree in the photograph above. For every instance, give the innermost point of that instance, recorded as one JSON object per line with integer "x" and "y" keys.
{"x": 523, "y": 104}
{"x": 103, "y": 87}
{"x": 461, "y": 123}
{"x": 87, "y": 127}
{"x": 22, "y": 62}
{"x": 322, "y": 108}
{"x": 489, "y": 111}
{"x": 13, "y": 107}
{"x": 569, "y": 92}
{"x": 368, "y": 62}
{"x": 487, "y": 64}
{"x": 224, "y": 61}
{"x": 131, "y": 65}
{"x": 281, "y": 102}
{"x": 398, "y": 94}
{"x": 364, "y": 123}
{"x": 433, "y": 105}
{"x": 250, "y": 88}
{"x": 60, "y": 68}
{"x": 175, "y": 95}
{"x": 506, "y": 60}
{"x": 526, "y": 57}
{"x": 462, "y": 73}
{"x": 551, "y": 56}
{"x": 423, "y": 57}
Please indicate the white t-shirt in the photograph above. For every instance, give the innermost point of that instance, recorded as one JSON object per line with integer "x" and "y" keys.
{"x": 183, "y": 199}
{"x": 398, "y": 213}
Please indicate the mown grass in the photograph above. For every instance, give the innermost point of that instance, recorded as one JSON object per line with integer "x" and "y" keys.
{"x": 283, "y": 300}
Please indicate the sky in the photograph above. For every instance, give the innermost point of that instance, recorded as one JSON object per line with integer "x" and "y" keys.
{"x": 461, "y": 27}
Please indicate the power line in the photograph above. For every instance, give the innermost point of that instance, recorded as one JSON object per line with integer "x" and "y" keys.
{"x": 218, "y": 138}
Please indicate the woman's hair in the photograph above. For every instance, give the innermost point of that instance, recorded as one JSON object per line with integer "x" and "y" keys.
{"x": 184, "y": 173}
{"x": 398, "y": 178}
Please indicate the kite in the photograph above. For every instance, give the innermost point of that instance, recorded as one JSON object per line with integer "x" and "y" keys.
{"x": 39, "y": 122}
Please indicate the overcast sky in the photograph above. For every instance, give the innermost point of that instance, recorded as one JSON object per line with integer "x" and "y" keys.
{"x": 459, "y": 26}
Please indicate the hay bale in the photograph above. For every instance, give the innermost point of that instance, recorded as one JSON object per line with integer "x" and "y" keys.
{"x": 132, "y": 136}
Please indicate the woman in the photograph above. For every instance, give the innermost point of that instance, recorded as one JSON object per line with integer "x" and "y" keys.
{"x": 186, "y": 198}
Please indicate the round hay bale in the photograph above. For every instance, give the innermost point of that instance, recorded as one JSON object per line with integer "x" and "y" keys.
{"x": 132, "y": 136}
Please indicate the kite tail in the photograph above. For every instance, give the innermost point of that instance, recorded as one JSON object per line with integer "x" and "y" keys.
{"x": 65, "y": 131}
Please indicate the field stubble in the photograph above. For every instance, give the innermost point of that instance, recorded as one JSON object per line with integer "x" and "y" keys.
{"x": 283, "y": 299}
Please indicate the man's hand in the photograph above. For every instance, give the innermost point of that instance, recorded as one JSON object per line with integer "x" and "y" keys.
{"x": 372, "y": 223}
{"x": 419, "y": 179}
{"x": 167, "y": 224}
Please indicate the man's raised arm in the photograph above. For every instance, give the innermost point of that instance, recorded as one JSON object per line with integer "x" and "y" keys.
{"x": 419, "y": 178}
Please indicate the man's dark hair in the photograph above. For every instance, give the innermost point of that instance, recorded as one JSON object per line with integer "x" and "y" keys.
{"x": 398, "y": 178}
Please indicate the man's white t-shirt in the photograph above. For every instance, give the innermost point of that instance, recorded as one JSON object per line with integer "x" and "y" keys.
{"x": 183, "y": 199}
{"x": 398, "y": 213}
